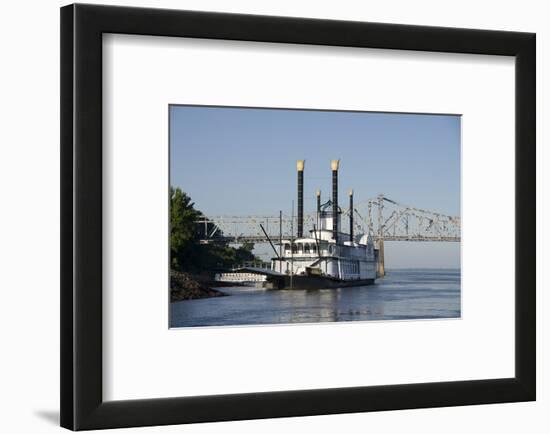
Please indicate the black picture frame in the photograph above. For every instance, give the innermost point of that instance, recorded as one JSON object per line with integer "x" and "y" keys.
{"x": 82, "y": 405}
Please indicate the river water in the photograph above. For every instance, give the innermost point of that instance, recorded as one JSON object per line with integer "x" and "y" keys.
{"x": 400, "y": 295}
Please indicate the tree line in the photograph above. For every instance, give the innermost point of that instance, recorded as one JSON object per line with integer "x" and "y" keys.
{"x": 186, "y": 252}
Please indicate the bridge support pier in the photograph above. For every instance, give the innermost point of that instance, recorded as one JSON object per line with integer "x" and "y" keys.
{"x": 380, "y": 270}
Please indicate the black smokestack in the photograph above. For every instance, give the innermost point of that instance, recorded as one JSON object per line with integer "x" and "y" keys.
{"x": 318, "y": 194}
{"x": 334, "y": 165}
{"x": 351, "y": 215}
{"x": 300, "y": 166}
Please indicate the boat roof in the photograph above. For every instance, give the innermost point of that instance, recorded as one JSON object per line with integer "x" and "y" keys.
{"x": 303, "y": 240}
{"x": 258, "y": 270}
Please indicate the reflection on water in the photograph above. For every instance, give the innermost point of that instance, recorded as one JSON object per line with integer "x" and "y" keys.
{"x": 402, "y": 294}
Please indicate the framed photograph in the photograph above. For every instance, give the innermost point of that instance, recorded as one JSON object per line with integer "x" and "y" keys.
{"x": 314, "y": 259}
{"x": 272, "y": 217}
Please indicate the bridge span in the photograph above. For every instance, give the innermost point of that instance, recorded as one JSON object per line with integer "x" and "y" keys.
{"x": 383, "y": 218}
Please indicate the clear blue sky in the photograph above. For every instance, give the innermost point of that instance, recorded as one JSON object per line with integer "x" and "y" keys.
{"x": 242, "y": 161}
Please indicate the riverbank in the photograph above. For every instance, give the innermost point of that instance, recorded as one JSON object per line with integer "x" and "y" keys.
{"x": 184, "y": 286}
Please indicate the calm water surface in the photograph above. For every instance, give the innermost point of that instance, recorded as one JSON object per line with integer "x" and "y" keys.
{"x": 402, "y": 294}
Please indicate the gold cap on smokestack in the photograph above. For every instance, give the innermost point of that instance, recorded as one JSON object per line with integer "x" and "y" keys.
{"x": 334, "y": 164}
{"x": 350, "y": 192}
{"x": 318, "y": 193}
{"x": 300, "y": 165}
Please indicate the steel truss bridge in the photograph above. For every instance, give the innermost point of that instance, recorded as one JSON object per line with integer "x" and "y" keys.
{"x": 383, "y": 218}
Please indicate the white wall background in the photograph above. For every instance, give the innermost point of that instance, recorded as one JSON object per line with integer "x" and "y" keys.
{"x": 29, "y": 217}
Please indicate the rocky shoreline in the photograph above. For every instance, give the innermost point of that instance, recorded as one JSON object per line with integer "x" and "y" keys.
{"x": 184, "y": 286}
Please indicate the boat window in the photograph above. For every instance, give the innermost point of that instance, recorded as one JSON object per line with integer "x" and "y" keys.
{"x": 306, "y": 248}
{"x": 294, "y": 248}
{"x": 314, "y": 248}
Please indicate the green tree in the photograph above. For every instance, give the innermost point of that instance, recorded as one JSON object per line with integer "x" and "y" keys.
{"x": 186, "y": 251}
{"x": 184, "y": 235}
